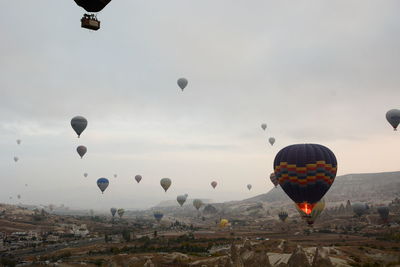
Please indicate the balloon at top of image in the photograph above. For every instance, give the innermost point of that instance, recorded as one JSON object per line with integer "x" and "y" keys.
{"x": 305, "y": 172}
{"x": 92, "y": 5}
{"x": 264, "y": 126}
{"x": 79, "y": 124}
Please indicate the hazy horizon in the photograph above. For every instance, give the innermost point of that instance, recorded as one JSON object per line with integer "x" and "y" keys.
{"x": 317, "y": 72}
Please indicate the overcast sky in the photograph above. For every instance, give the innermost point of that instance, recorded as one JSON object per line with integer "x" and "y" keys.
{"x": 314, "y": 71}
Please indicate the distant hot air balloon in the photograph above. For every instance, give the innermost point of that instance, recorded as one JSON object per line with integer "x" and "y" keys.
{"x": 305, "y": 172}
{"x": 138, "y": 178}
{"x": 249, "y": 186}
{"x": 317, "y": 210}
{"x": 282, "y": 215}
{"x": 79, "y": 124}
{"x": 197, "y": 203}
{"x": 214, "y": 184}
{"x": 113, "y": 211}
{"x": 182, "y": 83}
{"x": 18, "y": 141}
{"x": 273, "y": 179}
{"x": 384, "y": 213}
{"x": 165, "y": 183}
{"x": 359, "y": 208}
{"x": 271, "y": 140}
{"x": 19, "y": 196}
{"x": 115, "y": 175}
{"x": 81, "y": 150}
{"x": 26, "y": 184}
{"x": 393, "y": 117}
{"x": 120, "y": 212}
{"x": 103, "y": 183}
{"x": 264, "y": 126}
{"x": 223, "y": 223}
{"x": 16, "y": 159}
{"x": 158, "y": 215}
{"x": 85, "y": 174}
{"x": 181, "y": 199}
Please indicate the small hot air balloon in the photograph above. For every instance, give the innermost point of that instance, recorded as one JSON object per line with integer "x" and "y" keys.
{"x": 249, "y": 186}
{"x": 214, "y": 184}
{"x": 115, "y": 175}
{"x": 81, "y": 150}
{"x": 120, "y": 212}
{"x": 26, "y": 184}
{"x": 282, "y": 215}
{"x": 158, "y": 215}
{"x": 138, "y": 178}
{"x": 165, "y": 183}
{"x": 359, "y": 208}
{"x": 79, "y": 124}
{"x": 273, "y": 179}
{"x": 384, "y": 213}
{"x": 103, "y": 183}
{"x": 18, "y": 141}
{"x": 223, "y": 223}
{"x": 197, "y": 203}
{"x": 182, "y": 83}
{"x": 264, "y": 126}
{"x": 181, "y": 199}
{"x": 271, "y": 140}
{"x": 113, "y": 211}
{"x": 393, "y": 117}
{"x": 16, "y": 159}
{"x": 85, "y": 174}
{"x": 305, "y": 172}
{"x": 19, "y": 196}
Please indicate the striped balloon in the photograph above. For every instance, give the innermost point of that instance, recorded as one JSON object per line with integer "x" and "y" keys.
{"x": 305, "y": 172}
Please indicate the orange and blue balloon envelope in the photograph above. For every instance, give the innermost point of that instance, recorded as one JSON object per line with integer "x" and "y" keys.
{"x": 305, "y": 172}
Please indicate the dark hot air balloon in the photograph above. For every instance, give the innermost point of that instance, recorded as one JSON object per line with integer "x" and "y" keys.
{"x": 305, "y": 172}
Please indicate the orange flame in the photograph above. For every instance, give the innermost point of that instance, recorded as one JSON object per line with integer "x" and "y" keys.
{"x": 306, "y": 207}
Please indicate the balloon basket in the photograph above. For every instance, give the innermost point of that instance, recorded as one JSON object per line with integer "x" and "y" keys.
{"x": 90, "y": 22}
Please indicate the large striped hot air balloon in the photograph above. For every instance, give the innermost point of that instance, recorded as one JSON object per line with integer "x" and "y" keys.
{"x": 305, "y": 172}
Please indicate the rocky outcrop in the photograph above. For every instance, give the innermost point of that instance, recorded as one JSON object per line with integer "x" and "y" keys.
{"x": 321, "y": 258}
{"x": 148, "y": 263}
{"x": 298, "y": 258}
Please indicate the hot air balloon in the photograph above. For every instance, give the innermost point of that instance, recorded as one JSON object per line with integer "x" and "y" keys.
{"x": 165, "y": 183}
{"x": 79, "y": 124}
{"x": 359, "y": 208}
{"x": 182, "y": 83}
{"x": 158, "y": 215}
{"x": 249, "y": 186}
{"x": 85, "y": 174}
{"x": 113, "y": 211}
{"x": 81, "y": 150}
{"x": 305, "y": 172}
{"x": 103, "y": 183}
{"x": 19, "y": 196}
{"x": 197, "y": 203}
{"x": 16, "y": 159}
{"x": 181, "y": 199}
{"x": 384, "y": 213}
{"x": 214, "y": 184}
{"x": 393, "y": 117}
{"x": 317, "y": 210}
{"x": 115, "y": 175}
{"x": 264, "y": 126}
{"x": 271, "y": 140}
{"x": 26, "y": 184}
{"x": 282, "y": 215}
{"x": 138, "y": 178}
{"x": 18, "y": 141}
{"x": 89, "y": 21}
{"x": 223, "y": 223}
{"x": 120, "y": 212}
{"x": 273, "y": 179}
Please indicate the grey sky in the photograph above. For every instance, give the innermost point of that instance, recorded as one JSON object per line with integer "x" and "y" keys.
{"x": 316, "y": 71}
